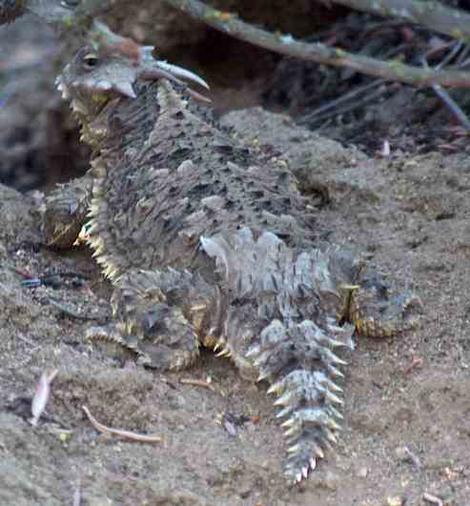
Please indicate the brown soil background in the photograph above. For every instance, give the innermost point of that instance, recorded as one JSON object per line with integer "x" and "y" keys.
{"x": 407, "y": 414}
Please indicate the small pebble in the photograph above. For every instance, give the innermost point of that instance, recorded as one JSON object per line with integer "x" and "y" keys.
{"x": 394, "y": 501}
{"x": 362, "y": 472}
{"x": 402, "y": 454}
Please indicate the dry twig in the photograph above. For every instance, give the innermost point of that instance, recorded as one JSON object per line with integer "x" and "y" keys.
{"x": 432, "y": 499}
{"x": 198, "y": 383}
{"x": 450, "y": 103}
{"x": 285, "y": 44}
{"x": 430, "y": 13}
{"x": 124, "y": 434}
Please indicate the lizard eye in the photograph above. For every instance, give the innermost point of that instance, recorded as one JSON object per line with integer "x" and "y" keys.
{"x": 90, "y": 61}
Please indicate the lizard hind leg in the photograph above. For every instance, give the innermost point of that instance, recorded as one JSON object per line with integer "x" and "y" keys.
{"x": 301, "y": 362}
{"x": 149, "y": 308}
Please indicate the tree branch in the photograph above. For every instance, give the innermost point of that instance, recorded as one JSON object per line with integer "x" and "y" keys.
{"x": 429, "y": 13}
{"x": 391, "y": 70}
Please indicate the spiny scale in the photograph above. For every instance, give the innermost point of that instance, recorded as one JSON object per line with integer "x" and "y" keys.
{"x": 306, "y": 396}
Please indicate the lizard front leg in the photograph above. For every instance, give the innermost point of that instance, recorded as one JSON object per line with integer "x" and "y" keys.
{"x": 66, "y": 211}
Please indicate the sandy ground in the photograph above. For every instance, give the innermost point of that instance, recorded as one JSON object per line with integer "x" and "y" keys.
{"x": 407, "y": 423}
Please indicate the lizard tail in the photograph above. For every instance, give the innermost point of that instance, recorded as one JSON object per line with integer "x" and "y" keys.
{"x": 290, "y": 312}
{"x": 301, "y": 362}
{"x": 282, "y": 321}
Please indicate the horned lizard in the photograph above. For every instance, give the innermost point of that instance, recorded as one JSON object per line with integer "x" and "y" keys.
{"x": 207, "y": 243}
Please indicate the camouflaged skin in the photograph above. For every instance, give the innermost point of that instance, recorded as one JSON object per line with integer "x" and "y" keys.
{"x": 208, "y": 243}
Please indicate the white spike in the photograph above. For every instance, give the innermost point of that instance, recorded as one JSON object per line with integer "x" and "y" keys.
{"x": 182, "y": 73}
{"x": 333, "y": 425}
{"x": 109, "y": 271}
{"x": 218, "y": 344}
{"x": 292, "y": 431}
{"x": 330, "y": 436}
{"x": 262, "y": 376}
{"x": 284, "y": 412}
{"x": 334, "y": 386}
{"x": 272, "y": 389}
{"x": 313, "y": 462}
{"x": 276, "y": 388}
{"x": 305, "y": 471}
{"x": 336, "y": 344}
{"x": 293, "y": 448}
{"x": 335, "y": 358}
{"x": 333, "y": 398}
{"x": 125, "y": 88}
{"x": 284, "y": 399}
{"x": 288, "y": 423}
{"x": 335, "y": 372}
{"x": 318, "y": 452}
{"x": 224, "y": 353}
{"x": 335, "y": 413}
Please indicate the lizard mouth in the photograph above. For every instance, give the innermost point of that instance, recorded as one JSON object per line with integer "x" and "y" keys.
{"x": 87, "y": 98}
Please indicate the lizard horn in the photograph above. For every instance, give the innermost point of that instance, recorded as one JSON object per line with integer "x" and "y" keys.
{"x": 170, "y": 70}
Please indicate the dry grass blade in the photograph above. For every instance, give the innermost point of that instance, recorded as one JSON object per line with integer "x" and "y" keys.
{"x": 432, "y": 499}
{"x": 124, "y": 434}
{"x": 198, "y": 383}
{"x": 41, "y": 395}
{"x": 77, "y": 494}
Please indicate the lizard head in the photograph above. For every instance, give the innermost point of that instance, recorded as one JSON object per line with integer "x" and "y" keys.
{"x": 92, "y": 79}
{"x": 109, "y": 66}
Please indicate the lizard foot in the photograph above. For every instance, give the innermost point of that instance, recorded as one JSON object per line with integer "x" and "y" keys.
{"x": 65, "y": 213}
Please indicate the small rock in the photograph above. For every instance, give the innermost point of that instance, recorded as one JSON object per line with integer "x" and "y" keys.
{"x": 402, "y": 454}
{"x": 362, "y": 472}
{"x": 394, "y": 501}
